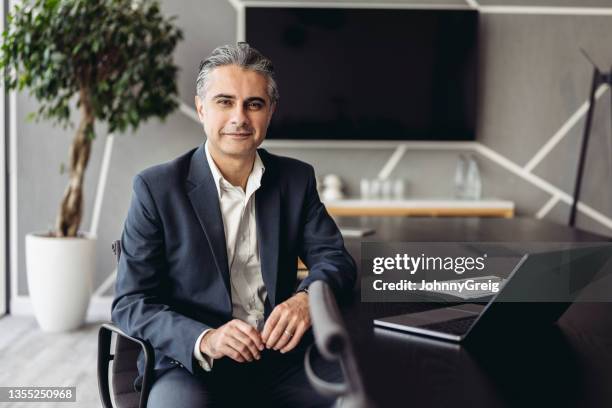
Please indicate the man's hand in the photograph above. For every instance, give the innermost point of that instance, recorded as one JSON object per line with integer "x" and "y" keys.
{"x": 287, "y": 323}
{"x": 235, "y": 339}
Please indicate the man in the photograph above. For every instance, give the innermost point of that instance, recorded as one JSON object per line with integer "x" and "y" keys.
{"x": 210, "y": 245}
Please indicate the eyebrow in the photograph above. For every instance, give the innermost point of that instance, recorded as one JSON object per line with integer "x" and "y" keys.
{"x": 250, "y": 99}
{"x": 218, "y": 96}
{"x": 255, "y": 99}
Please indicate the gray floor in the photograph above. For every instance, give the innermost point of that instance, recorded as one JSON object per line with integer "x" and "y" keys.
{"x": 29, "y": 357}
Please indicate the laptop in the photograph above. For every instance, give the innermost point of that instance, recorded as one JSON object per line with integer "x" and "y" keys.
{"x": 550, "y": 281}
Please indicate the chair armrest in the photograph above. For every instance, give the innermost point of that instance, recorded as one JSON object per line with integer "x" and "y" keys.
{"x": 105, "y": 356}
{"x": 321, "y": 386}
{"x": 332, "y": 341}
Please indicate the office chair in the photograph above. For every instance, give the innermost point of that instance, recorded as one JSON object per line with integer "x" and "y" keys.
{"x": 332, "y": 341}
{"x": 124, "y": 370}
{"x": 331, "y": 336}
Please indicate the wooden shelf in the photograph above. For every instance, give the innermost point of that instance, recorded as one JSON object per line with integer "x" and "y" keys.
{"x": 421, "y": 208}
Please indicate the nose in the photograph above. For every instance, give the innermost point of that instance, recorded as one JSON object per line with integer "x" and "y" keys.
{"x": 239, "y": 117}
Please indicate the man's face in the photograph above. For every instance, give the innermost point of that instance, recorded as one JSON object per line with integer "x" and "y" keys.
{"x": 235, "y": 111}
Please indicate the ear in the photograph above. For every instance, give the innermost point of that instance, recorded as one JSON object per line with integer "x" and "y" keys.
{"x": 272, "y": 110}
{"x": 199, "y": 104}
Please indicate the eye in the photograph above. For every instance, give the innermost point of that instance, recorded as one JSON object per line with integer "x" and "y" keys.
{"x": 255, "y": 105}
{"x": 224, "y": 102}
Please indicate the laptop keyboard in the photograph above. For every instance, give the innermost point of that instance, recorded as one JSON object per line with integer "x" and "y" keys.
{"x": 455, "y": 326}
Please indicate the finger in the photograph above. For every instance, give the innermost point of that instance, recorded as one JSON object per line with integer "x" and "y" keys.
{"x": 277, "y": 331}
{"x": 287, "y": 334}
{"x": 250, "y": 331}
{"x": 232, "y": 353}
{"x": 241, "y": 348}
{"x": 297, "y": 336}
{"x": 246, "y": 340}
{"x": 270, "y": 324}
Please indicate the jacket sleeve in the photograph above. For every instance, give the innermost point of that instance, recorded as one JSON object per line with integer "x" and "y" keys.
{"x": 322, "y": 247}
{"x": 140, "y": 307}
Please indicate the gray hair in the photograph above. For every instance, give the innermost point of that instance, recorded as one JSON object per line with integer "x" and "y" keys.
{"x": 243, "y": 55}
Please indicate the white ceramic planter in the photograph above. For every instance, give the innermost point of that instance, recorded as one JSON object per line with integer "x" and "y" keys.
{"x": 60, "y": 274}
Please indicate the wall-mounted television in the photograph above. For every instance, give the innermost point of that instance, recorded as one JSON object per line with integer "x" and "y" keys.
{"x": 370, "y": 74}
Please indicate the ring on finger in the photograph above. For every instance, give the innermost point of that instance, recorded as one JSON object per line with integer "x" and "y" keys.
{"x": 288, "y": 333}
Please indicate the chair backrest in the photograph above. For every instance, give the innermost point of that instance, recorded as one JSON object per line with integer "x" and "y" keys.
{"x": 124, "y": 369}
{"x": 124, "y": 372}
{"x": 116, "y": 247}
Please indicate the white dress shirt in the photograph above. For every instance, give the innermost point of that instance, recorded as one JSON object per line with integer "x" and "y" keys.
{"x": 238, "y": 213}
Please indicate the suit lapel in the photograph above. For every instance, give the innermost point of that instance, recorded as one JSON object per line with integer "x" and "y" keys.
{"x": 204, "y": 199}
{"x": 267, "y": 210}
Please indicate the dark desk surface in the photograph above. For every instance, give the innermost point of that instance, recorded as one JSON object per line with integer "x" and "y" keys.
{"x": 565, "y": 365}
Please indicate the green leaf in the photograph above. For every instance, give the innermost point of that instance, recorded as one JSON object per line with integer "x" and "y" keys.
{"x": 30, "y": 117}
{"x": 77, "y": 48}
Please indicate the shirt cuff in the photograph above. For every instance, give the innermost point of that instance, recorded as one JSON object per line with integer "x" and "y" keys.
{"x": 206, "y": 362}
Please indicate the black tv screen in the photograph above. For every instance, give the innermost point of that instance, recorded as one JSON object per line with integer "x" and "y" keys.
{"x": 370, "y": 74}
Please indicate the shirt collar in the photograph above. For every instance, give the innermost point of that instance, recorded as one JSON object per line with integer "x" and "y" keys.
{"x": 253, "y": 182}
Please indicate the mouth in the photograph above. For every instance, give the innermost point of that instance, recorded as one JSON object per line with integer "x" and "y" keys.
{"x": 237, "y": 134}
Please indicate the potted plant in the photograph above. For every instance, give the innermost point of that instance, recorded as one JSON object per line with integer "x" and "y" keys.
{"x": 111, "y": 59}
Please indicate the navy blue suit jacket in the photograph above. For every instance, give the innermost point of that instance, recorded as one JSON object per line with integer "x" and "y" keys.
{"x": 173, "y": 279}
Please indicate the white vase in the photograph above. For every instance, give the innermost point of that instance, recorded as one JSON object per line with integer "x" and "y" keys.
{"x": 60, "y": 274}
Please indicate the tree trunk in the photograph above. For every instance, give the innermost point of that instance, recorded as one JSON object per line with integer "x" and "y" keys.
{"x": 71, "y": 209}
